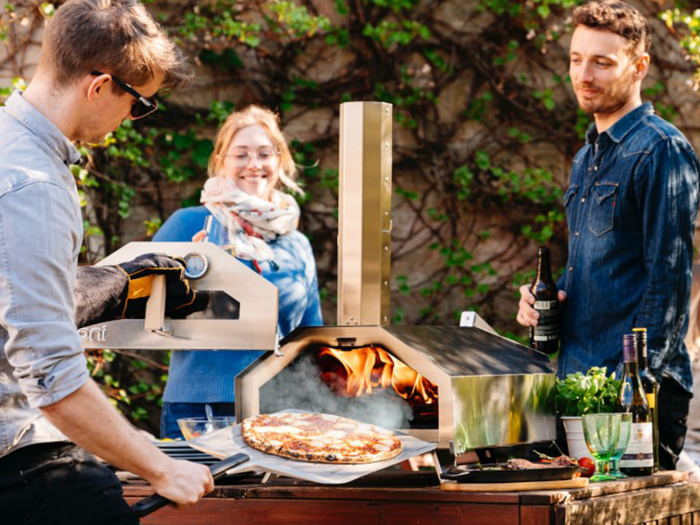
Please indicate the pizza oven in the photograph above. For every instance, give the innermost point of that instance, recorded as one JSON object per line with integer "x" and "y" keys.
{"x": 438, "y": 383}
{"x": 462, "y": 387}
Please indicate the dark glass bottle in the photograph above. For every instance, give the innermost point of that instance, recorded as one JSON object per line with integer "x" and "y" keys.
{"x": 545, "y": 336}
{"x": 651, "y": 387}
{"x": 638, "y": 458}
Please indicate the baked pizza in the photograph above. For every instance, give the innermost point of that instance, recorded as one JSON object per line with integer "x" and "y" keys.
{"x": 324, "y": 438}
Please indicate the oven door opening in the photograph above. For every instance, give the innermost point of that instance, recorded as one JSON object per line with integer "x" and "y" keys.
{"x": 368, "y": 384}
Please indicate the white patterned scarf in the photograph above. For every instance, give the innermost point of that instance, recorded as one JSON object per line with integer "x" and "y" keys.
{"x": 251, "y": 222}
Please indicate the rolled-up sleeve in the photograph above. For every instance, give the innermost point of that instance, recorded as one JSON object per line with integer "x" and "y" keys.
{"x": 39, "y": 240}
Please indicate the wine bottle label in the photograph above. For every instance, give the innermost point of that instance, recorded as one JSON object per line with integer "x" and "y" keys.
{"x": 545, "y": 335}
{"x": 651, "y": 399}
{"x": 546, "y": 305}
{"x": 640, "y": 450}
{"x": 547, "y": 328}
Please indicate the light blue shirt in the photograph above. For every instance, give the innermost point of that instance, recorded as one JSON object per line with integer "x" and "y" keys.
{"x": 41, "y": 360}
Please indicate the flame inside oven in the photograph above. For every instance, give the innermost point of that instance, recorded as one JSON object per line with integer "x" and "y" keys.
{"x": 372, "y": 368}
{"x": 368, "y": 384}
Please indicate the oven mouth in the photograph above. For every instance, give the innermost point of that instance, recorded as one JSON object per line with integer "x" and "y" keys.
{"x": 366, "y": 383}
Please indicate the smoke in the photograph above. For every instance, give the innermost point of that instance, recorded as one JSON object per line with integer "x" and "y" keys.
{"x": 300, "y": 386}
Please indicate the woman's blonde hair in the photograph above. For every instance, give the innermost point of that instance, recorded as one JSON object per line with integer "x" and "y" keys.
{"x": 251, "y": 116}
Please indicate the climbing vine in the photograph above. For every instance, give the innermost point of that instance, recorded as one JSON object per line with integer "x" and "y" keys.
{"x": 485, "y": 127}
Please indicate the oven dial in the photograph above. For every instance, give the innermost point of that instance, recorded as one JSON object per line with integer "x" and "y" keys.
{"x": 197, "y": 265}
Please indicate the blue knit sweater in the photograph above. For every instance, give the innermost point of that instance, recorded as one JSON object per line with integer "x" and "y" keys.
{"x": 206, "y": 376}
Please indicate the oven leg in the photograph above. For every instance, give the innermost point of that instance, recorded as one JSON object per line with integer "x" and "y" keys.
{"x": 269, "y": 477}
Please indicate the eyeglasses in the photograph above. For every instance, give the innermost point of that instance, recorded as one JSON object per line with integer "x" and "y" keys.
{"x": 265, "y": 157}
{"x": 142, "y": 107}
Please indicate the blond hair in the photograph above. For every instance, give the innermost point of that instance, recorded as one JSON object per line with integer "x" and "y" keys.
{"x": 113, "y": 36}
{"x": 251, "y": 116}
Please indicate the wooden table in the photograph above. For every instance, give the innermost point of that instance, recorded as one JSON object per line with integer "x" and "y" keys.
{"x": 413, "y": 498}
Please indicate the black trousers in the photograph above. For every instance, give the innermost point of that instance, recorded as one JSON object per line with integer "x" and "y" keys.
{"x": 674, "y": 403}
{"x": 60, "y": 484}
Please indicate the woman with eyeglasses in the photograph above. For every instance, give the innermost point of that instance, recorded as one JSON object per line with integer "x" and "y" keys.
{"x": 250, "y": 163}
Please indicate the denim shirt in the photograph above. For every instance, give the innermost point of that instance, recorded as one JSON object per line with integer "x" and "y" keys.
{"x": 41, "y": 360}
{"x": 631, "y": 210}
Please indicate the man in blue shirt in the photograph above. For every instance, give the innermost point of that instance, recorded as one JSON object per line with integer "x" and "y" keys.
{"x": 631, "y": 208}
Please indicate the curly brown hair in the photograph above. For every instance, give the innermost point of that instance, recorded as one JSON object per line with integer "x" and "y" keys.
{"x": 617, "y": 17}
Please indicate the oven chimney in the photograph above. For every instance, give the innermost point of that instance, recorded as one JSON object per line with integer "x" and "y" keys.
{"x": 364, "y": 215}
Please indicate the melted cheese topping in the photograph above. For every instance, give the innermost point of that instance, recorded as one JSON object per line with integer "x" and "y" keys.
{"x": 320, "y": 437}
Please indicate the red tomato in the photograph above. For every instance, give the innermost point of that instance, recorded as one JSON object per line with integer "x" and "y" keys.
{"x": 588, "y": 466}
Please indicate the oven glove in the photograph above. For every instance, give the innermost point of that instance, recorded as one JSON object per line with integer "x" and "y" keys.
{"x": 106, "y": 293}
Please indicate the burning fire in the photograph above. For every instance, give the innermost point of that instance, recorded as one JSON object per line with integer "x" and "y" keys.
{"x": 373, "y": 368}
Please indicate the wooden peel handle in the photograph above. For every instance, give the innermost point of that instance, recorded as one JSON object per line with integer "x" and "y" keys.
{"x": 155, "y": 307}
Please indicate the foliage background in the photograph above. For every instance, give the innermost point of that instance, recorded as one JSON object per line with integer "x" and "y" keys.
{"x": 485, "y": 128}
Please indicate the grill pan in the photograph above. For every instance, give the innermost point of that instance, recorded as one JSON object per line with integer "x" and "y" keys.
{"x": 473, "y": 474}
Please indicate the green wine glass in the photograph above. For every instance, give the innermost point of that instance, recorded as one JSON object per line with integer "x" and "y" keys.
{"x": 602, "y": 435}
{"x": 625, "y": 430}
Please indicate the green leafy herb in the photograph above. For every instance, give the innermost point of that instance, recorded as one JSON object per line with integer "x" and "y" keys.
{"x": 594, "y": 392}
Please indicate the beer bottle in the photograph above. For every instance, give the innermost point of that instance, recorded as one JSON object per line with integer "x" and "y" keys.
{"x": 651, "y": 386}
{"x": 638, "y": 457}
{"x": 545, "y": 336}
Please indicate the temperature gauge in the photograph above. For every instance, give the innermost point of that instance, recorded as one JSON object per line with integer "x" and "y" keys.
{"x": 197, "y": 265}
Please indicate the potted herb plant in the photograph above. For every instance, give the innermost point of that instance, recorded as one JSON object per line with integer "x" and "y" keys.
{"x": 579, "y": 394}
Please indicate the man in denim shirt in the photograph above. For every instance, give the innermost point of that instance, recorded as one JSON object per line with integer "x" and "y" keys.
{"x": 93, "y": 52}
{"x": 631, "y": 209}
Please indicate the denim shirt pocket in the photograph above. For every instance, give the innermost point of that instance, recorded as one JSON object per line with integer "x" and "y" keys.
{"x": 601, "y": 215}
{"x": 568, "y": 198}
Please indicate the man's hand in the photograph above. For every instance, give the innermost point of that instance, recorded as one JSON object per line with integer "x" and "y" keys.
{"x": 527, "y": 315}
{"x": 184, "y": 482}
{"x": 104, "y": 432}
{"x": 105, "y": 293}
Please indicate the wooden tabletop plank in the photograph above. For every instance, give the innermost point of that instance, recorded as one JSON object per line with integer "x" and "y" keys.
{"x": 595, "y": 490}
{"x": 660, "y": 503}
{"x": 213, "y": 511}
{"x": 416, "y": 487}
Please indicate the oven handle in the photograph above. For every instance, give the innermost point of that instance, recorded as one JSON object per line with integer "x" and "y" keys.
{"x": 155, "y": 502}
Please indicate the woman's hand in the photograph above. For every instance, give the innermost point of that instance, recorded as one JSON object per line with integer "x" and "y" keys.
{"x": 199, "y": 236}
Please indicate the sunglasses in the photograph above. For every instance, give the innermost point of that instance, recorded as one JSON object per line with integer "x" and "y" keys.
{"x": 142, "y": 107}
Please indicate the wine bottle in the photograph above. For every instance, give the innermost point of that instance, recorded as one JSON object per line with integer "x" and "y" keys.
{"x": 638, "y": 457}
{"x": 545, "y": 336}
{"x": 651, "y": 387}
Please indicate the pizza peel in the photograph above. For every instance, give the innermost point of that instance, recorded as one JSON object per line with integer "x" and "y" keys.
{"x": 238, "y": 457}
{"x": 229, "y": 441}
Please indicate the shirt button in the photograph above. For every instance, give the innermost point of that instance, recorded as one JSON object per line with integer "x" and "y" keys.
{"x": 595, "y": 168}
{"x": 571, "y": 268}
{"x": 576, "y": 234}
{"x": 583, "y": 199}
